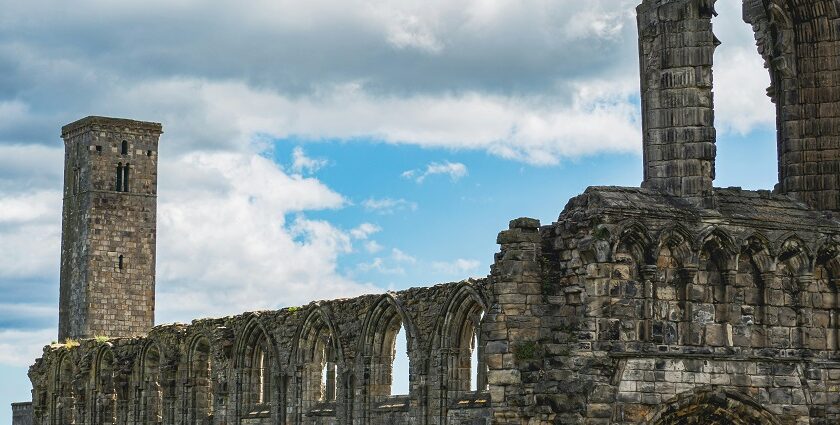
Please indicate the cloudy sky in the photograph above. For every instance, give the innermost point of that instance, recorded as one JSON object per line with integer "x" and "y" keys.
{"x": 330, "y": 148}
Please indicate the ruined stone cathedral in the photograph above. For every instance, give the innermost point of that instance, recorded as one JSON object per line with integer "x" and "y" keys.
{"x": 673, "y": 303}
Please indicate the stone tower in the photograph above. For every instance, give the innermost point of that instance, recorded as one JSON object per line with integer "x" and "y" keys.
{"x": 676, "y": 48}
{"x": 108, "y": 228}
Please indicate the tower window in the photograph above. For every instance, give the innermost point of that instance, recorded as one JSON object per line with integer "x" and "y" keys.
{"x": 124, "y": 149}
{"x": 122, "y": 177}
{"x": 119, "y": 185}
{"x": 125, "y": 178}
{"x": 148, "y": 153}
{"x": 120, "y": 262}
{"x": 99, "y": 149}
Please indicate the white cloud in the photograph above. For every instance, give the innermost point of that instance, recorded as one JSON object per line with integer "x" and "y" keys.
{"x": 388, "y": 205}
{"x": 378, "y": 265}
{"x": 401, "y": 257}
{"x": 456, "y": 267}
{"x": 373, "y": 247}
{"x": 225, "y": 246}
{"x": 304, "y": 164}
{"x": 20, "y": 348}
{"x": 364, "y": 230}
{"x": 455, "y": 171}
{"x": 30, "y": 231}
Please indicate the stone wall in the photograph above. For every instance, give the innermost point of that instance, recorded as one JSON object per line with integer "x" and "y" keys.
{"x": 324, "y": 363}
{"x": 21, "y": 413}
{"x": 649, "y": 302}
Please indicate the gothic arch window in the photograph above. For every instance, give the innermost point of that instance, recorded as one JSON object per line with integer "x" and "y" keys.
{"x": 712, "y": 310}
{"x": 152, "y": 386}
{"x": 64, "y": 402}
{"x": 379, "y": 349}
{"x": 793, "y": 279}
{"x": 827, "y": 307}
{"x": 748, "y": 297}
{"x": 635, "y": 268}
{"x": 200, "y": 402}
{"x": 125, "y": 179}
{"x": 105, "y": 385}
{"x": 318, "y": 359}
{"x": 672, "y": 289}
{"x": 460, "y": 346}
{"x": 256, "y": 365}
{"x": 119, "y": 180}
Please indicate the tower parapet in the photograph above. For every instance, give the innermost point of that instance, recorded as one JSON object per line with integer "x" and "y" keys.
{"x": 108, "y": 228}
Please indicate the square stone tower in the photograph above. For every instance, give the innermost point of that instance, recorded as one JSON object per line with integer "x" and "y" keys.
{"x": 108, "y": 228}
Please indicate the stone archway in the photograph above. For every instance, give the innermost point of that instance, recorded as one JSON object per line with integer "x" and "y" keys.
{"x": 712, "y": 406}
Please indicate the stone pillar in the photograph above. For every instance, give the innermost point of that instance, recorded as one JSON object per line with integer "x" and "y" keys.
{"x": 800, "y": 45}
{"x": 511, "y": 327}
{"x": 649, "y": 273}
{"x": 676, "y": 46}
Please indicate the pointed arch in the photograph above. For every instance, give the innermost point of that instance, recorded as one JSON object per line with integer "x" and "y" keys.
{"x": 676, "y": 264}
{"x": 199, "y": 380}
{"x": 634, "y": 240}
{"x": 712, "y": 406}
{"x": 712, "y": 308}
{"x": 826, "y": 310}
{"x": 318, "y": 358}
{"x": 151, "y": 387}
{"x": 256, "y": 366}
{"x": 104, "y": 376}
{"x": 64, "y": 392}
{"x": 378, "y": 344}
{"x": 680, "y": 242}
{"x": 457, "y": 341}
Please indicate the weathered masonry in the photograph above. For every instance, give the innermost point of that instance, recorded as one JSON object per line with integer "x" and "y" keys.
{"x": 674, "y": 303}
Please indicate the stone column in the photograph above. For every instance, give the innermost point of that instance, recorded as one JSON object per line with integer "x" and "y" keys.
{"x": 649, "y": 276}
{"x": 511, "y": 327}
{"x": 676, "y": 46}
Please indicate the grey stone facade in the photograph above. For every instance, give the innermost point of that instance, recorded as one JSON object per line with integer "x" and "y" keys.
{"x": 22, "y": 413}
{"x": 675, "y": 303}
{"x": 108, "y": 228}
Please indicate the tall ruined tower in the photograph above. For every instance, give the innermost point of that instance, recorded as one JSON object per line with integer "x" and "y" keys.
{"x": 676, "y": 50}
{"x": 108, "y": 228}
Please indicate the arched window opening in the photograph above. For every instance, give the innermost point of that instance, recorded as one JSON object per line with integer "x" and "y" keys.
{"x": 200, "y": 375}
{"x": 119, "y": 181}
{"x": 749, "y": 294}
{"x": 400, "y": 364}
{"x": 478, "y": 378}
{"x": 65, "y": 398}
{"x": 124, "y": 148}
{"x": 385, "y": 346}
{"x": 671, "y": 296}
{"x": 261, "y": 377}
{"x": 256, "y": 384}
{"x": 328, "y": 373}
{"x": 317, "y": 358}
{"x": 105, "y": 403}
{"x": 152, "y": 395}
{"x": 125, "y": 178}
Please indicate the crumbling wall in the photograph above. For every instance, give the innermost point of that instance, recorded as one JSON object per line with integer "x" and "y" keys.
{"x": 649, "y": 302}
{"x": 266, "y": 367}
